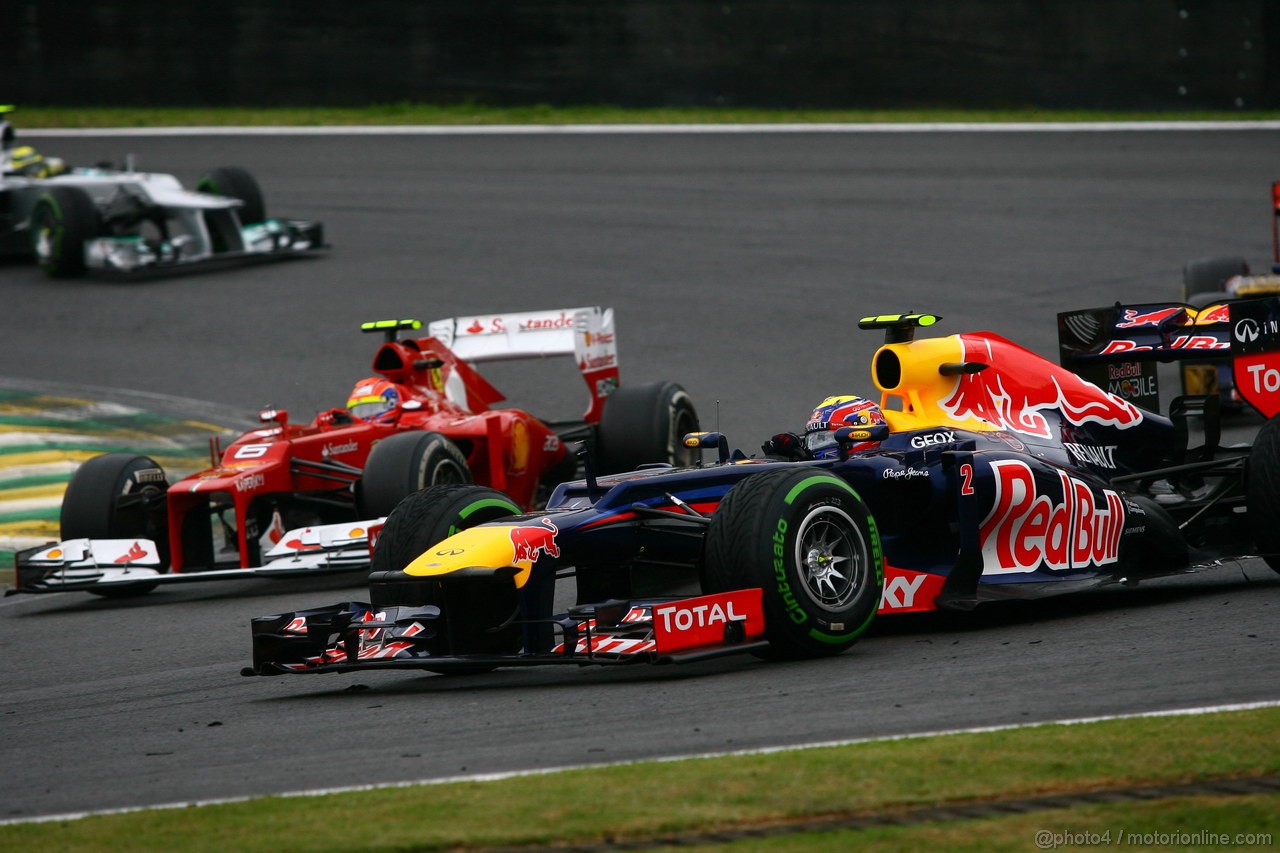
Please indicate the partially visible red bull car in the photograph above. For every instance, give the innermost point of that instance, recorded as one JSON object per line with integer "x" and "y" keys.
{"x": 996, "y": 474}
{"x": 1209, "y": 286}
{"x": 293, "y": 499}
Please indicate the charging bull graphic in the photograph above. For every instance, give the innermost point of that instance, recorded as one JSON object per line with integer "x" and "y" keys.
{"x": 1133, "y": 318}
{"x": 529, "y": 542}
{"x": 1011, "y": 392}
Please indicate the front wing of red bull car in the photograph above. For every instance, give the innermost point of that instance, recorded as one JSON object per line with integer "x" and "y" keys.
{"x": 999, "y": 474}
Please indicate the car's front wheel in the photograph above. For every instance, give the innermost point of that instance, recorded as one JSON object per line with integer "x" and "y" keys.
{"x": 407, "y": 462}
{"x": 63, "y": 221}
{"x": 235, "y": 182}
{"x": 477, "y": 613}
{"x": 807, "y": 540}
{"x": 118, "y": 496}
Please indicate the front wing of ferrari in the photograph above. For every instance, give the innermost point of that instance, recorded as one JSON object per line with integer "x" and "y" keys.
{"x": 101, "y": 564}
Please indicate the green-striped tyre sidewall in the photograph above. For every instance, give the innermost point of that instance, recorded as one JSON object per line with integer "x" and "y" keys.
{"x": 62, "y": 221}
{"x": 432, "y": 515}
{"x": 807, "y": 540}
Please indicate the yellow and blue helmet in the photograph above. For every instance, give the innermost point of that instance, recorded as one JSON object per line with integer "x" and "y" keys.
{"x": 833, "y": 413}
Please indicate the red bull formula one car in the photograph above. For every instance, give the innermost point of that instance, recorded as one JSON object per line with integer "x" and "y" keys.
{"x": 987, "y": 473}
{"x": 1207, "y": 285}
{"x": 293, "y": 499}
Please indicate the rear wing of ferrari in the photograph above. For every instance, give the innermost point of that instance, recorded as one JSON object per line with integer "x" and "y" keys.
{"x": 1118, "y": 347}
{"x": 587, "y": 334}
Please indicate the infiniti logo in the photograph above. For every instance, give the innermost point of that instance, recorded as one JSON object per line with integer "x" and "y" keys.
{"x": 1246, "y": 330}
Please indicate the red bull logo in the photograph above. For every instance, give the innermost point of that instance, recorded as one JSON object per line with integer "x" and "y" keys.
{"x": 1065, "y": 529}
{"x": 1133, "y": 318}
{"x": 1213, "y": 314}
{"x": 1018, "y": 385}
{"x": 530, "y": 542}
{"x": 1180, "y": 342}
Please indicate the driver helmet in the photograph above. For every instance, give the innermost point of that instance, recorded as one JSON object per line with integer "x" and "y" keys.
{"x": 832, "y": 414}
{"x": 375, "y": 399}
{"x": 27, "y": 161}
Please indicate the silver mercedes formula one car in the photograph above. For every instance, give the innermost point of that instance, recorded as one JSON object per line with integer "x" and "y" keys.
{"x": 122, "y": 221}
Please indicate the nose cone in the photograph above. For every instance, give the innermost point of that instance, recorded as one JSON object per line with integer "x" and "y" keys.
{"x": 475, "y": 548}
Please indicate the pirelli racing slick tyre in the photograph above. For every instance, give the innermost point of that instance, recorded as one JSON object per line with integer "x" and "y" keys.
{"x": 237, "y": 183}
{"x": 63, "y": 220}
{"x": 418, "y": 522}
{"x": 406, "y": 462}
{"x": 118, "y": 496}
{"x": 1262, "y": 491}
{"x": 1203, "y": 278}
{"x": 477, "y": 613}
{"x": 805, "y": 538}
{"x": 643, "y": 424}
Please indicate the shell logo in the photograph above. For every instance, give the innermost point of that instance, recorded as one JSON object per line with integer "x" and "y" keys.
{"x": 55, "y": 554}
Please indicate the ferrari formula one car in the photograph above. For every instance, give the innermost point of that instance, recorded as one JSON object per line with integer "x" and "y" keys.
{"x": 1207, "y": 285}
{"x": 289, "y": 499}
{"x": 121, "y": 221}
{"x": 988, "y": 473}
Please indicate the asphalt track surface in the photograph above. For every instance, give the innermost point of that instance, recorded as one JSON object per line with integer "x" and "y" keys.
{"x": 738, "y": 265}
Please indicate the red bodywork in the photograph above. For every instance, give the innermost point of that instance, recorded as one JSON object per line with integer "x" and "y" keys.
{"x": 320, "y": 463}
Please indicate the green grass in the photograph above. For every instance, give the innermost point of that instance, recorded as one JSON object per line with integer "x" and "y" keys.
{"x": 652, "y": 800}
{"x": 408, "y": 113}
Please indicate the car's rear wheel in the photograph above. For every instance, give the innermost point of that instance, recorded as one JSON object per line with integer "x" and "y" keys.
{"x": 63, "y": 221}
{"x": 1203, "y": 279}
{"x": 807, "y": 540}
{"x": 235, "y": 182}
{"x": 643, "y": 424}
{"x": 1262, "y": 490}
{"x": 118, "y": 496}
{"x": 407, "y": 462}
{"x": 1203, "y": 284}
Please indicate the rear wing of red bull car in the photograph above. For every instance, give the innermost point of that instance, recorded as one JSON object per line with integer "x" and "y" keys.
{"x": 1119, "y": 347}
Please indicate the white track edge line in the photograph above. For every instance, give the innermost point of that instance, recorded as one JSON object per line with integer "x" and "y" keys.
{"x": 608, "y": 129}
{"x": 767, "y": 750}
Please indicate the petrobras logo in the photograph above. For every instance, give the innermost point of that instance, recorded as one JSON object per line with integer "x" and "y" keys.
{"x": 1066, "y": 527}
